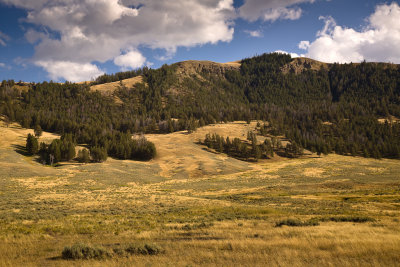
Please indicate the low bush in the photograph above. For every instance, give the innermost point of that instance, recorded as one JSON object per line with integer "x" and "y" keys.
{"x": 350, "y": 218}
{"x": 84, "y": 252}
{"x": 296, "y": 222}
{"x": 146, "y": 249}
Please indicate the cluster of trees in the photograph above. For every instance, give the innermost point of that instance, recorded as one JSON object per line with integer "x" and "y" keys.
{"x": 237, "y": 148}
{"x": 59, "y": 150}
{"x": 119, "y": 76}
{"x": 252, "y": 149}
{"x": 63, "y": 150}
{"x": 71, "y": 109}
{"x": 123, "y": 146}
{"x": 335, "y": 109}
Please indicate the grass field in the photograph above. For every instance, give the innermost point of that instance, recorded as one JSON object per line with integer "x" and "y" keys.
{"x": 200, "y": 208}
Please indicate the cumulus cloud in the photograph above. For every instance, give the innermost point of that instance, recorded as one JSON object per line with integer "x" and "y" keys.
{"x": 254, "y": 33}
{"x": 132, "y": 60}
{"x": 2, "y": 65}
{"x": 293, "y": 55}
{"x": 82, "y": 32}
{"x": 271, "y": 10}
{"x": 378, "y": 41}
{"x": 70, "y": 71}
{"x": 3, "y": 39}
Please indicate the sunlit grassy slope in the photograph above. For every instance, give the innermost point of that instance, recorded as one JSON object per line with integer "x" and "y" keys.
{"x": 202, "y": 208}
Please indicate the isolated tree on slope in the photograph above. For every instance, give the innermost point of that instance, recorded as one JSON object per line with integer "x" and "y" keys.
{"x": 32, "y": 145}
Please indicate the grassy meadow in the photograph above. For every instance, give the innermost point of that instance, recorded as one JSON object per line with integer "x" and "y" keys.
{"x": 191, "y": 207}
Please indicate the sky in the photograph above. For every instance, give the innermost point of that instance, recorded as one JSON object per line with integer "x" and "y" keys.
{"x": 78, "y": 40}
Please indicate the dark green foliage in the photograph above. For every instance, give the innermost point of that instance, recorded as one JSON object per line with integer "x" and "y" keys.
{"x": 350, "y": 218}
{"x": 107, "y": 78}
{"x": 292, "y": 150}
{"x": 83, "y": 156}
{"x": 84, "y": 252}
{"x": 333, "y": 110}
{"x": 98, "y": 154}
{"x": 146, "y": 249}
{"x": 32, "y": 145}
{"x": 296, "y": 222}
{"x": 59, "y": 150}
{"x": 237, "y": 148}
{"x": 70, "y": 154}
{"x": 38, "y": 130}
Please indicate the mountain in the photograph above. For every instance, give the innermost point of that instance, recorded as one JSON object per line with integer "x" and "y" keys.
{"x": 347, "y": 109}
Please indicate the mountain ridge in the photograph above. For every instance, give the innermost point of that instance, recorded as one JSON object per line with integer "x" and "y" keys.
{"x": 331, "y": 108}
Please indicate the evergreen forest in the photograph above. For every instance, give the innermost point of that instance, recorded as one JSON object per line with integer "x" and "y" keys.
{"x": 348, "y": 109}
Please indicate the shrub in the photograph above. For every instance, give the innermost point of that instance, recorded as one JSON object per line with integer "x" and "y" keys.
{"x": 146, "y": 249}
{"x": 350, "y": 218}
{"x": 84, "y": 252}
{"x": 296, "y": 222}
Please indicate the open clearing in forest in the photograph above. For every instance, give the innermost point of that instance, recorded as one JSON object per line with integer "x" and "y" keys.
{"x": 202, "y": 208}
{"x": 109, "y": 88}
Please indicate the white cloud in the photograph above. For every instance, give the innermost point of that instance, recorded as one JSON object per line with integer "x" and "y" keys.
{"x": 254, "y": 33}
{"x": 5, "y": 66}
{"x": 3, "y": 39}
{"x": 130, "y": 60}
{"x": 70, "y": 71}
{"x": 271, "y": 10}
{"x": 304, "y": 45}
{"x": 293, "y": 55}
{"x": 81, "y": 32}
{"x": 378, "y": 41}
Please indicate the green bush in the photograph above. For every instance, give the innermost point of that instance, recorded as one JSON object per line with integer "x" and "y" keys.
{"x": 84, "y": 252}
{"x": 296, "y": 222}
{"x": 146, "y": 249}
{"x": 350, "y": 218}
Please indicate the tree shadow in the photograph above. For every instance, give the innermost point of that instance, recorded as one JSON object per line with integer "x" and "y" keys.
{"x": 21, "y": 150}
{"x": 56, "y": 258}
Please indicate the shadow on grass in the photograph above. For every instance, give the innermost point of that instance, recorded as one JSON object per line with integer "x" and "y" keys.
{"x": 56, "y": 258}
{"x": 21, "y": 150}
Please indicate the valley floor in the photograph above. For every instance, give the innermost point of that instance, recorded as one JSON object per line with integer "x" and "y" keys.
{"x": 201, "y": 208}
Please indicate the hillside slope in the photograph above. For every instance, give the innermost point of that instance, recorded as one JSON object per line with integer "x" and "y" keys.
{"x": 326, "y": 108}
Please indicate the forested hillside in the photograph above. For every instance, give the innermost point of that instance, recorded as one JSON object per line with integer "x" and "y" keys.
{"x": 333, "y": 109}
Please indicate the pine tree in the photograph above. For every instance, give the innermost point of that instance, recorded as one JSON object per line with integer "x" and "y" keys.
{"x": 32, "y": 145}
{"x": 99, "y": 154}
{"x": 38, "y": 131}
{"x": 83, "y": 156}
{"x": 71, "y": 151}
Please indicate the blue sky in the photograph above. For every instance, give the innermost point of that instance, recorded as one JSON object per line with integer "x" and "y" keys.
{"x": 78, "y": 40}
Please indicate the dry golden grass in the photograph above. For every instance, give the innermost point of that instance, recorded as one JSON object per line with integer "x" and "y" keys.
{"x": 297, "y": 65}
{"x": 235, "y": 64}
{"x": 204, "y": 209}
{"x": 390, "y": 119}
{"x": 178, "y": 154}
{"x": 109, "y": 88}
{"x": 23, "y": 87}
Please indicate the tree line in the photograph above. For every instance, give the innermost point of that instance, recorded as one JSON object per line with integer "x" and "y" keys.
{"x": 332, "y": 110}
